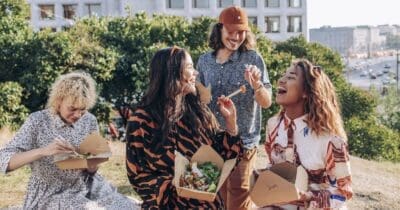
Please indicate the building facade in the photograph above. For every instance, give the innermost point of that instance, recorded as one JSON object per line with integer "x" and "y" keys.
{"x": 349, "y": 41}
{"x": 278, "y": 19}
{"x": 58, "y": 14}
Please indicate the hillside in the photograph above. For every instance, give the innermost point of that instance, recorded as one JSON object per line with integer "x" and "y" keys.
{"x": 376, "y": 184}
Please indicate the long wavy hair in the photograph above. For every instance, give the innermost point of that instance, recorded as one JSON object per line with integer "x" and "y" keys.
{"x": 215, "y": 40}
{"x": 164, "y": 101}
{"x": 321, "y": 104}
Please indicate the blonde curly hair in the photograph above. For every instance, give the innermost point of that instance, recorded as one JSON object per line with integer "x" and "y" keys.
{"x": 321, "y": 104}
{"x": 79, "y": 88}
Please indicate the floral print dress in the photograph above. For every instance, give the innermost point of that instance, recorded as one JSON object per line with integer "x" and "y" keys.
{"x": 325, "y": 158}
{"x": 50, "y": 187}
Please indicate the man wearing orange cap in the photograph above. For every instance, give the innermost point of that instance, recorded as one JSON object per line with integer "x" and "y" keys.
{"x": 232, "y": 63}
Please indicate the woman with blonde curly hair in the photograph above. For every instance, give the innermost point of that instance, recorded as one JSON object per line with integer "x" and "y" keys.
{"x": 60, "y": 129}
{"x": 309, "y": 132}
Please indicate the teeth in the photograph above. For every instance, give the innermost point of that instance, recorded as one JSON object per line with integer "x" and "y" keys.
{"x": 281, "y": 90}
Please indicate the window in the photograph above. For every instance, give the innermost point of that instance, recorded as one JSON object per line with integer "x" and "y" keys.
{"x": 253, "y": 20}
{"x": 47, "y": 12}
{"x": 294, "y": 24}
{"x": 201, "y": 3}
{"x": 70, "y": 11}
{"x": 272, "y": 3}
{"x": 225, "y": 3}
{"x": 175, "y": 4}
{"x": 249, "y": 3}
{"x": 48, "y": 28}
{"x": 93, "y": 10}
{"x": 294, "y": 3}
{"x": 273, "y": 24}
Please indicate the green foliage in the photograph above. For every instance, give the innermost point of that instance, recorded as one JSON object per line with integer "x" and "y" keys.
{"x": 317, "y": 54}
{"x": 12, "y": 113}
{"x": 171, "y": 30}
{"x": 297, "y": 46}
{"x": 371, "y": 140}
{"x": 389, "y": 109}
{"x": 130, "y": 37}
{"x": 117, "y": 52}
{"x": 14, "y": 9}
{"x": 88, "y": 54}
{"x": 197, "y": 37}
{"x": 102, "y": 111}
{"x": 356, "y": 103}
{"x": 46, "y": 56}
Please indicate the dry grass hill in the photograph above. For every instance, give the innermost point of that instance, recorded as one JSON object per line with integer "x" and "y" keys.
{"x": 376, "y": 184}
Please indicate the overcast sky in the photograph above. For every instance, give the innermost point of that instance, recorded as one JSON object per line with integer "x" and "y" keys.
{"x": 352, "y": 12}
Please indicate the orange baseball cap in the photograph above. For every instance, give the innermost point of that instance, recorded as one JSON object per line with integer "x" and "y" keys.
{"x": 234, "y": 18}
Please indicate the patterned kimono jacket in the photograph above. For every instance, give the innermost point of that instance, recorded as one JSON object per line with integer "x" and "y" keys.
{"x": 325, "y": 158}
{"x": 151, "y": 171}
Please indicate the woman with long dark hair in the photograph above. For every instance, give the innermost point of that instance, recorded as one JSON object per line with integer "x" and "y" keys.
{"x": 169, "y": 118}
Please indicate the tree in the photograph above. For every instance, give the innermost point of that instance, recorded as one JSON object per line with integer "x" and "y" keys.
{"x": 356, "y": 103}
{"x": 389, "y": 109}
{"x": 12, "y": 113}
{"x": 371, "y": 140}
{"x": 14, "y": 8}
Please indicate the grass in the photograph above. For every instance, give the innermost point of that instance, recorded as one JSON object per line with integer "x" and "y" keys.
{"x": 376, "y": 185}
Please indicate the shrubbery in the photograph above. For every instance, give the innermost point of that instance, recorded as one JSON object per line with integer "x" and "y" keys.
{"x": 117, "y": 52}
{"x": 371, "y": 140}
{"x": 12, "y": 113}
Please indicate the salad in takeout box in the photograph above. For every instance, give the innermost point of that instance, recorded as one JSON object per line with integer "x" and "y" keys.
{"x": 196, "y": 178}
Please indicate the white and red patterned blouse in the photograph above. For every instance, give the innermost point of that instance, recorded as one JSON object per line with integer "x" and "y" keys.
{"x": 325, "y": 158}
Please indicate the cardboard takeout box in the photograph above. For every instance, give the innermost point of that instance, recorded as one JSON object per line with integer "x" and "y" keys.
{"x": 204, "y": 154}
{"x": 280, "y": 184}
{"x": 94, "y": 148}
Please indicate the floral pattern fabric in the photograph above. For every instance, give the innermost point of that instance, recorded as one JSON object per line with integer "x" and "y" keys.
{"x": 325, "y": 158}
{"x": 50, "y": 187}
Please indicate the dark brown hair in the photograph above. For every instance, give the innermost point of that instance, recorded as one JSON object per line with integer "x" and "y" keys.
{"x": 215, "y": 40}
{"x": 164, "y": 94}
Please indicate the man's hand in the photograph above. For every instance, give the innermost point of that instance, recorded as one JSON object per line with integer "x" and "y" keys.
{"x": 253, "y": 76}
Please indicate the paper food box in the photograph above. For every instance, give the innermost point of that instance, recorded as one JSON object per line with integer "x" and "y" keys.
{"x": 204, "y": 154}
{"x": 280, "y": 184}
{"x": 94, "y": 146}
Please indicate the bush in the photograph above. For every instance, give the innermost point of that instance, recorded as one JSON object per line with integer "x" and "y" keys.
{"x": 356, "y": 103}
{"x": 12, "y": 113}
{"x": 370, "y": 140}
{"x": 389, "y": 109}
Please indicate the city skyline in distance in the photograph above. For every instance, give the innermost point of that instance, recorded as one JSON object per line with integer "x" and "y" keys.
{"x": 337, "y": 13}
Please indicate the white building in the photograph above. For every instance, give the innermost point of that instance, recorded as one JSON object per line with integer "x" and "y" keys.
{"x": 278, "y": 19}
{"x": 349, "y": 40}
{"x": 57, "y": 14}
{"x": 389, "y": 30}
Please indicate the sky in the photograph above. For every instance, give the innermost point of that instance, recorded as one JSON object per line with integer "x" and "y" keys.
{"x": 352, "y": 12}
